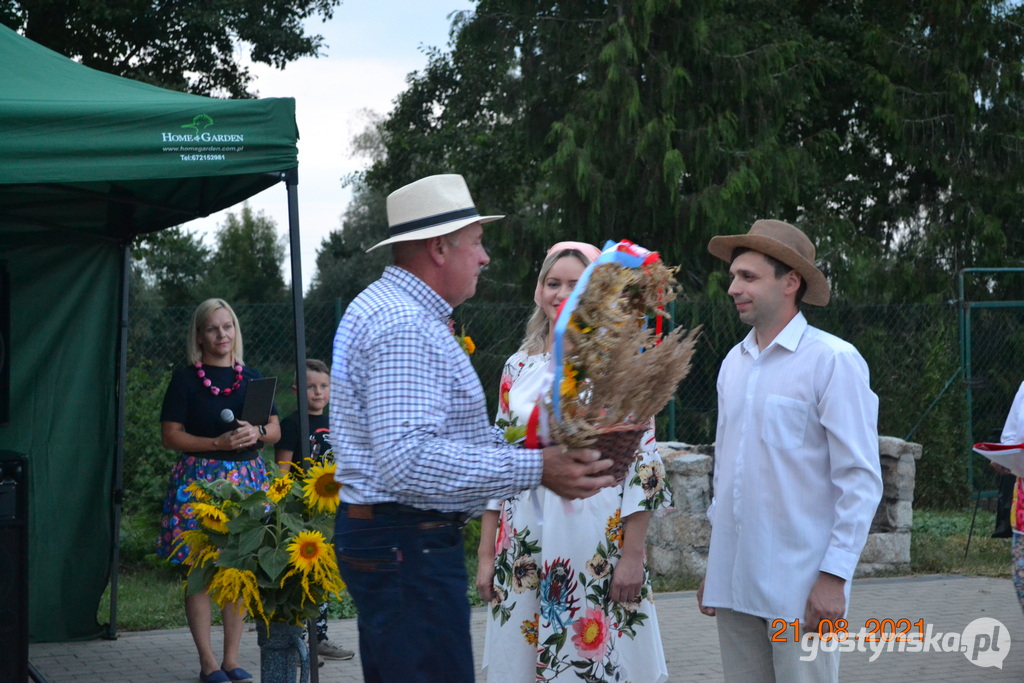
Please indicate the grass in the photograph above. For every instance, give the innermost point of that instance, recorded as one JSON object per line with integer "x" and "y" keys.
{"x": 150, "y": 590}
{"x": 939, "y": 543}
{"x": 148, "y": 597}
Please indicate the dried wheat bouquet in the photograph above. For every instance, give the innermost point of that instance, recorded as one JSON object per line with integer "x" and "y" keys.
{"x": 613, "y": 370}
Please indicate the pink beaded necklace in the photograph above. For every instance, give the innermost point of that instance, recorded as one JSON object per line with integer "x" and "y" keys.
{"x": 201, "y": 374}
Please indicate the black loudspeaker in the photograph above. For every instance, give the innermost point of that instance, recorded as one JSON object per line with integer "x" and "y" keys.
{"x": 13, "y": 567}
{"x": 5, "y": 345}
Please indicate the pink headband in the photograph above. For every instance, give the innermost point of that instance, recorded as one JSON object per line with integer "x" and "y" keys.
{"x": 589, "y": 251}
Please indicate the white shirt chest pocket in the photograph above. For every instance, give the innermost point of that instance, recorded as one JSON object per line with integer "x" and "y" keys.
{"x": 785, "y": 421}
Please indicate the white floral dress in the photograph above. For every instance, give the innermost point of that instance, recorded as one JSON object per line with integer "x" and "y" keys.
{"x": 551, "y": 618}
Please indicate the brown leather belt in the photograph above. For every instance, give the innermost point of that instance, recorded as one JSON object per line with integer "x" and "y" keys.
{"x": 353, "y": 511}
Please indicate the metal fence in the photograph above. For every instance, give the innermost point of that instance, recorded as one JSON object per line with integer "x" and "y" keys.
{"x": 913, "y": 352}
{"x": 992, "y": 344}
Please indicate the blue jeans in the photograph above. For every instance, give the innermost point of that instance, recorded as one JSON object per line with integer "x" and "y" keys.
{"x": 406, "y": 573}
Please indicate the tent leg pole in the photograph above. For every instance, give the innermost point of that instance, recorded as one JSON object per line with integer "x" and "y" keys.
{"x": 291, "y": 179}
{"x": 122, "y": 384}
{"x": 292, "y": 182}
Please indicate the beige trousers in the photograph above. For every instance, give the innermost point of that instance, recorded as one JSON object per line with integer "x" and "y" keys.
{"x": 754, "y": 650}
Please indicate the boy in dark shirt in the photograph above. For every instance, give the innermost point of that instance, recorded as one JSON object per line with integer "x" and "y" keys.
{"x": 318, "y": 393}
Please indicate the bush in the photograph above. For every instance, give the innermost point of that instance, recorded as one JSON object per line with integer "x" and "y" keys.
{"x": 147, "y": 464}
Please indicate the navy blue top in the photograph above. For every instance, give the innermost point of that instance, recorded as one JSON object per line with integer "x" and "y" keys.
{"x": 191, "y": 404}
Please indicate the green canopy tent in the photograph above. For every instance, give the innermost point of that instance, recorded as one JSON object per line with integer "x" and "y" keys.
{"x": 90, "y": 161}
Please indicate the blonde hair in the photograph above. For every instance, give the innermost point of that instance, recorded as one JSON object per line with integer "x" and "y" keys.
{"x": 203, "y": 311}
{"x": 539, "y": 327}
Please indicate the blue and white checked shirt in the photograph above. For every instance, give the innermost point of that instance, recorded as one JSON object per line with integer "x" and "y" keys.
{"x": 408, "y": 416}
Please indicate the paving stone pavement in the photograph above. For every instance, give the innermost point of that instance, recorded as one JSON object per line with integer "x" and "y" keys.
{"x": 948, "y": 605}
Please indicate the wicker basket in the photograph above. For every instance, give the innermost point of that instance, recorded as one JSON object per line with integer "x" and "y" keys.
{"x": 618, "y": 443}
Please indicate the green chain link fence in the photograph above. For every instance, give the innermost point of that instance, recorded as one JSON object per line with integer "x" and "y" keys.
{"x": 912, "y": 350}
{"x": 992, "y": 345}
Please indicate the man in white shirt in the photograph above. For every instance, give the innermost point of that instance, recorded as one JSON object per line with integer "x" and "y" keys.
{"x": 797, "y": 478}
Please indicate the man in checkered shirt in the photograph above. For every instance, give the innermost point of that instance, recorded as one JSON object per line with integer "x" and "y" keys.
{"x": 415, "y": 450}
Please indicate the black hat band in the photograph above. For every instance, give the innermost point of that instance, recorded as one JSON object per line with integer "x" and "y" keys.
{"x": 430, "y": 221}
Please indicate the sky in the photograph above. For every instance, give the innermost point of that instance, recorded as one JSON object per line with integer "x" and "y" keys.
{"x": 371, "y": 46}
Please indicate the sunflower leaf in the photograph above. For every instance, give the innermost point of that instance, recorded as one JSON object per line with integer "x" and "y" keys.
{"x": 249, "y": 540}
{"x": 243, "y": 524}
{"x": 273, "y": 561}
{"x": 199, "y": 578}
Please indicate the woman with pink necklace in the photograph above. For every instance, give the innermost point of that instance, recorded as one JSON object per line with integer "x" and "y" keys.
{"x": 191, "y": 421}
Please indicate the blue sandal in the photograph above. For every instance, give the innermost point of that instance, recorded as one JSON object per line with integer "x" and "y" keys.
{"x": 216, "y": 676}
{"x": 238, "y": 675}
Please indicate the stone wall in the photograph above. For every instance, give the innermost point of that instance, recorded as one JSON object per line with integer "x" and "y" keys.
{"x": 677, "y": 542}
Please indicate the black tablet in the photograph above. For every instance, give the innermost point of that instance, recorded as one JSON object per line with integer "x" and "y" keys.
{"x": 259, "y": 399}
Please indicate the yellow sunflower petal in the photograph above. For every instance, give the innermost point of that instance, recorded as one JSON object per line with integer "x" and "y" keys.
{"x": 320, "y": 489}
{"x": 280, "y": 487}
{"x": 568, "y": 388}
{"x": 197, "y": 492}
{"x": 312, "y": 558}
{"x": 307, "y": 550}
{"x": 211, "y": 517}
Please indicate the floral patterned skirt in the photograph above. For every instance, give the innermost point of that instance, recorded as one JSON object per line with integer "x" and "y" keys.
{"x": 248, "y": 475}
{"x": 551, "y": 617}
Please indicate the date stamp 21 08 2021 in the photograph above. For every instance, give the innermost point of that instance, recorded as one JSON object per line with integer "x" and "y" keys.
{"x": 873, "y": 630}
{"x": 984, "y": 642}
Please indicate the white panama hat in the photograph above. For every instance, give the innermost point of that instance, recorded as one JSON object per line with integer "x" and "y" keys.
{"x": 430, "y": 207}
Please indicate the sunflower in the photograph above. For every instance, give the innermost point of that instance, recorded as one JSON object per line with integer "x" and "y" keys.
{"x": 273, "y": 562}
{"x": 310, "y": 554}
{"x": 280, "y": 487}
{"x": 320, "y": 489}
{"x": 197, "y": 492}
{"x": 574, "y": 325}
{"x": 568, "y": 387}
{"x": 211, "y": 516}
{"x": 307, "y": 550}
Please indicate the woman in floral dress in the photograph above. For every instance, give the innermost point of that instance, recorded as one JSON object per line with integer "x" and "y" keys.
{"x": 570, "y": 597}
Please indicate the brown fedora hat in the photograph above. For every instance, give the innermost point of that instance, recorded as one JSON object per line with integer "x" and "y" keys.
{"x": 781, "y": 241}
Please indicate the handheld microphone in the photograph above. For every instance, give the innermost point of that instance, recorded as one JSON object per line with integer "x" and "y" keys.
{"x": 228, "y": 418}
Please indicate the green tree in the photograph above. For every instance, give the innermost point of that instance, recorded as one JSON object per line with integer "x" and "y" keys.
{"x": 177, "y": 44}
{"x": 147, "y": 463}
{"x": 343, "y": 268}
{"x": 247, "y": 264}
{"x": 174, "y": 263}
{"x": 888, "y": 130}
